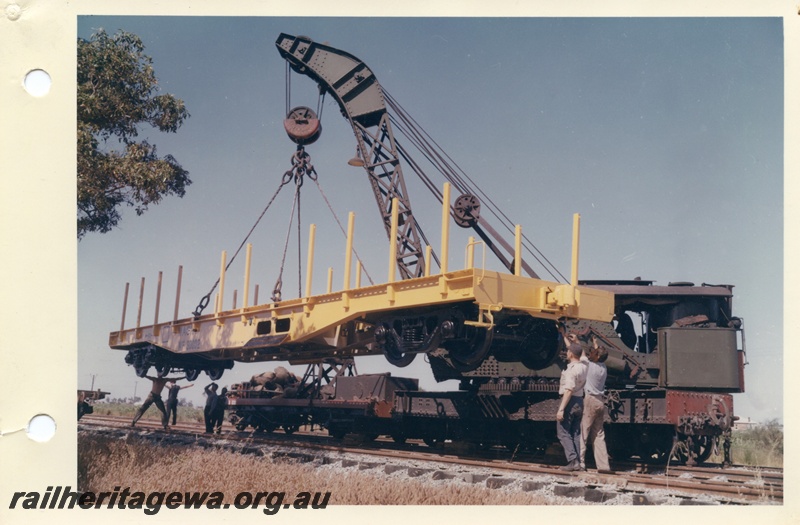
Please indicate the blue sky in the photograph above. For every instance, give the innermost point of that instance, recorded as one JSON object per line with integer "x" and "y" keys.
{"x": 666, "y": 135}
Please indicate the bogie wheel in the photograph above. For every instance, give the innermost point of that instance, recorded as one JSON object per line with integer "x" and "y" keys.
{"x": 265, "y": 427}
{"x": 163, "y": 370}
{"x": 540, "y": 346}
{"x": 290, "y": 429}
{"x": 398, "y": 438}
{"x": 392, "y": 350}
{"x": 400, "y": 360}
{"x": 702, "y": 446}
{"x": 141, "y": 370}
{"x": 468, "y": 355}
{"x": 215, "y": 373}
{"x": 192, "y": 374}
{"x": 700, "y": 451}
{"x": 337, "y": 433}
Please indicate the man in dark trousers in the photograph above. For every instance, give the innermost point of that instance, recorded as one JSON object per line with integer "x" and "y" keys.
{"x": 210, "y": 411}
{"x": 570, "y": 410}
{"x": 172, "y": 398}
{"x": 153, "y": 397}
{"x": 222, "y": 404}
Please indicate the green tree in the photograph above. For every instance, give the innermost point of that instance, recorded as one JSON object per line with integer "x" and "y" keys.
{"x": 117, "y": 95}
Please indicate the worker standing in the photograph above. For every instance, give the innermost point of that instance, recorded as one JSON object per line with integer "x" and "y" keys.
{"x": 570, "y": 410}
{"x": 219, "y": 413}
{"x": 172, "y": 398}
{"x": 594, "y": 407}
{"x": 153, "y": 397}
{"x": 210, "y": 410}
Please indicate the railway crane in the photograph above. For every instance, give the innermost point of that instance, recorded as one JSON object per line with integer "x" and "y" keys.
{"x": 675, "y": 355}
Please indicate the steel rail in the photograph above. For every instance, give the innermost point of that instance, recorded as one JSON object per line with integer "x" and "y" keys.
{"x": 733, "y": 486}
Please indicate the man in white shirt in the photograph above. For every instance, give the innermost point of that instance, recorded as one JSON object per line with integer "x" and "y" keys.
{"x": 594, "y": 407}
{"x": 570, "y": 411}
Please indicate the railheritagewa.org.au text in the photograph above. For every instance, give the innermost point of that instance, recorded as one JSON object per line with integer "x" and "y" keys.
{"x": 152, "y": 502}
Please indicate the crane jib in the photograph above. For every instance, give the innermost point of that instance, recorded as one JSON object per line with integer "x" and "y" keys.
{"x": 362, "y": 103}
{"x": 347, "y": 78}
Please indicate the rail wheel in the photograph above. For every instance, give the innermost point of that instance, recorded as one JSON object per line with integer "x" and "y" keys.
{"x": 398, "y": 438}
{"x": 540, "y": 346}
{"x": 163, "y": 370}
{"x": 707, "y": 448}
{"x": 393, "y": 347}
{"x": 141, "y": 369}
{"x": 290, "y": 429}
{"x": 337, "y": 432}
{"x": 399, "y": 359}
{"x": 266, "y": 427}
{"x": 692, "y": 451}
{"x": 215, "y": 373}
{"x": 191, "y": 373}
{"x": 468, "y": 355}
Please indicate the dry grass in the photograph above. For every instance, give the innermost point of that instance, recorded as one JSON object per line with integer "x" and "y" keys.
{"x": 104, "y": 463}
{"x": 760, "y": 446}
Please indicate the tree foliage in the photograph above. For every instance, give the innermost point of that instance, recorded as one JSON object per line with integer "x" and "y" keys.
{"x": 117, "y": 96}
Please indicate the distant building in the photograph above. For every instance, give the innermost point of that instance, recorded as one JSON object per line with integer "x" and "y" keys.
{"x": 744, "y": 424}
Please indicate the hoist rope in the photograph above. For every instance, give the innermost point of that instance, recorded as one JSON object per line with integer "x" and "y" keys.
{"x": 299, "y": 249}
{"x": 368, "y": 140}
{"x": 336, "y": 218}
{"x": 288, "y": 94}
{"x": 276, "y": 292}
{"x": 320, "y": 103}
{"x": 204, "y": 301}
{"x": 430, "y": 149}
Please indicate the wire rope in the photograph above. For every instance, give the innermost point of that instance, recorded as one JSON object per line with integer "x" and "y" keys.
{"x": 276, "y": 292}
{"x": 453, "y": 173}
{"x": 206, "y": 298}
{"x": 341, "y": 227}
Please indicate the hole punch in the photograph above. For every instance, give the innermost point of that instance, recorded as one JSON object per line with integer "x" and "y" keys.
{"x": 37, "y": 83}
{"x": 41, "y": 428}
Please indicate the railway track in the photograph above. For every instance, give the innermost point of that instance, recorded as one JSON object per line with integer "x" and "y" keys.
{"x": 644, "y": 484}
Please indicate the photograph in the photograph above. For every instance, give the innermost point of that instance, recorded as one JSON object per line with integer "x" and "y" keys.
{"x": 334, "y": 261}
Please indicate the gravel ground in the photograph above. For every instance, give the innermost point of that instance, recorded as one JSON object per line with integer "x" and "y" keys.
{"x": 433, "y": 477}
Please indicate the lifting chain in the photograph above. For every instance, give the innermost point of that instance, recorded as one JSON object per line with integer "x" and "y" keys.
{"x": 301, "y": 166}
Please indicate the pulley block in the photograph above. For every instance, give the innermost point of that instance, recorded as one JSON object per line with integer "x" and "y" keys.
{"x": 467, "y": 210}
{"x": 302, "y": 125}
